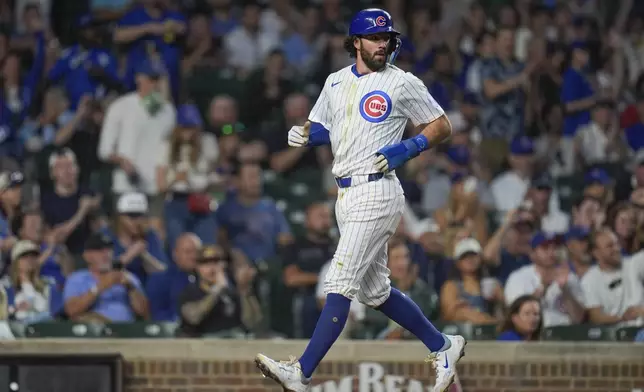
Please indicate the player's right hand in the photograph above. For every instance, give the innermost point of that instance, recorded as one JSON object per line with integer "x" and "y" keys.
{"x": 298, "y": 136}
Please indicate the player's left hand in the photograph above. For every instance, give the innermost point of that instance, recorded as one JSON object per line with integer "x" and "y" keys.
{"x": 391, "y": 157}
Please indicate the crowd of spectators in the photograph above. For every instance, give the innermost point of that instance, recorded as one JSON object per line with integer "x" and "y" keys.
{"x": 145, "y": 172}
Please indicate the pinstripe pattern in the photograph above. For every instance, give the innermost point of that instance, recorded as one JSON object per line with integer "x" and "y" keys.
{"x": 368, "y": 214}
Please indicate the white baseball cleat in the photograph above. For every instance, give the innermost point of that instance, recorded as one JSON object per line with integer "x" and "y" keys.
{"x": 286, "y": 373}
{"x": 445, "y": 363}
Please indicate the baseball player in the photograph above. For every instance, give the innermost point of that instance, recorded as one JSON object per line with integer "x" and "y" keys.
{"x": 362, "y": 112}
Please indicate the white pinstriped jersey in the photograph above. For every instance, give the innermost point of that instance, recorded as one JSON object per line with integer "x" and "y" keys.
{"x": 364, "y": 113}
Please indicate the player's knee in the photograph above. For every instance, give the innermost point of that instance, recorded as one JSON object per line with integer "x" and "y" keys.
{"x": 336, "y": 288}
{"x": 374, "y": 299}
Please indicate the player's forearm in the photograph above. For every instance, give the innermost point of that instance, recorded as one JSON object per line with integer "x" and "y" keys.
{"x": 437, "y": 131}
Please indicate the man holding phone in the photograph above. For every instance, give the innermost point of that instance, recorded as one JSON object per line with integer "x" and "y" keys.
{"x": 103, "y": 292}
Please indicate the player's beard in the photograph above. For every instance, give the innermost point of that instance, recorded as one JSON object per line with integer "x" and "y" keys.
{"x": 370, "y": 60}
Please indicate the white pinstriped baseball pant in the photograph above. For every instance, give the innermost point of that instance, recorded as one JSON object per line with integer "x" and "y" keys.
{"x": 367, "y": 217}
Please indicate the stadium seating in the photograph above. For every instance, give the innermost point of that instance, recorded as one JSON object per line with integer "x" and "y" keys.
{"x": 63, "y": 330}
{"x": 140, "y": 330}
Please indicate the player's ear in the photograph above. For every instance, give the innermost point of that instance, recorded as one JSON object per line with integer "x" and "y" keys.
{"x": 356, "y": 43}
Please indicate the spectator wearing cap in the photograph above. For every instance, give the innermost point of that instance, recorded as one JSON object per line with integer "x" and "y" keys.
{"x": 248, "y": 221}
{"x": 621, "y": 220}
{"x": 613, "y": 288}
{"x": 86, "y": 69}
{"x": 284, "y": 159}
{"x": 54, "y": 261}
{"x": 152, "y": 31}
{"x": 163, "y": 288}
{"x": 462, "y": 212}
{"x": 248, "y": 45}
{"x": 599, "y": 184}
{"x": 545, "y": 204}
{"x": 601, "y": 140}
{"x": 183, "y": 175}
{"x": 10, "y": 198}
{"x": 68, "y": 208}
{"x": 550, "y": 280}
{"x": 578, "y": 250}
{"x": 135, "y": 128}
{"x": 103, "y": 292}
{"x": 509, "y": 188}
{"x": 469, "y": 295}
{"x": 31, "y": 299}
{"x": 577, "y": 94}
{"x": 509, "y": 247}
{"x": 215, "y": 305}
{"x": 136, "y": 244}
{"x": 302, "y": 263}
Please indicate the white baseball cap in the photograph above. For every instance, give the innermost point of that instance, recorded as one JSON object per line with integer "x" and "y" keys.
{"x": 465, "y": 246}
{"x": 132, "y": 203}
{"x": 22, "y": 248}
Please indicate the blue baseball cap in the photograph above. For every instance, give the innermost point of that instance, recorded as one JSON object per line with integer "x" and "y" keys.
{"x": 522, "y": 145}
{"x": 542, "y": 181}
{"x": 577, "y": 233}
{"x": 597, "y": 176}
{"x": 188, "y": 116}
{"x": 541, "y": 238}
{"x": 459, "y": 155}
{"x": 150, "y": 68}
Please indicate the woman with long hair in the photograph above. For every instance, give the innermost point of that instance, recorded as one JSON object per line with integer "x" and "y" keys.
{"x": 184, "y": 175}
{"x": 463, "y": 213}
{"x": 469, "y": 295}
{"x": 621, "y": 219}
{"x": 524, "y": 320}
{"x": 31, "y": 299}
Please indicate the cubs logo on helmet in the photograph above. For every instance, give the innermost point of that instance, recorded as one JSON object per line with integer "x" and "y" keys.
{"x": 381, "y": 21}
{"x": 375, "y": 106}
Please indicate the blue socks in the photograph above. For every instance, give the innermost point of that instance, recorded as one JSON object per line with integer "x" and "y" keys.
{"x": 408, "y": 315}
{"x": 330, "y": 325}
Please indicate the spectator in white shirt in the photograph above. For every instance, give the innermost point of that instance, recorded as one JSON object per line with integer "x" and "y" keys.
{"x": 509, "y": 188}
{"x": 601, "y": 140}
{"x": 550, "y": 280}
{"x": 545, "y": 204}
{"x": 248, "y": 45}
{"x": 135, "y": 127}
{"x": 613, "y": 292}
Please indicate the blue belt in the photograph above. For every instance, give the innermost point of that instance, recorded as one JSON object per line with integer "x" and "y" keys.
{"x": 345, "y": 182}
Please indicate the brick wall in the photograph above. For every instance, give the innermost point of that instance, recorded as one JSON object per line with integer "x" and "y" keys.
{"x": 226, "y": 366}
{"x": 213, "y": 376}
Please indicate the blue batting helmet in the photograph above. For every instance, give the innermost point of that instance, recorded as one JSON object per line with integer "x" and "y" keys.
{"x": 372, "y": 21}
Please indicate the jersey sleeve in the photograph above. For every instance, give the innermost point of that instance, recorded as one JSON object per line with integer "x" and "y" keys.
{"x": 416, "y": 103}
{"x": 321, "y": 112}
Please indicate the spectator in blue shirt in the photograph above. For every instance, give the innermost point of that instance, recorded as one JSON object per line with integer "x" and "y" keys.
{"x": 224, "y": 17}
{"x": 152, "y": 32}
{"x": 250, "y": 222}
{"x": 163, "y": 288}
{"x": 31, "y": 299}
{"x": 524, "y": 320}
{"x": 101, "y": 292}
{"x": 86, "y": 68}
{"x": 10, "y": 197}
{"x": 137, "y": 246}
{"x": 576, "y": 91}
{"x": 16, "y": 96}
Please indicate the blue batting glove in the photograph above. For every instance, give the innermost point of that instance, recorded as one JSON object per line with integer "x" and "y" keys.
{"x": 391, "y": 157}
